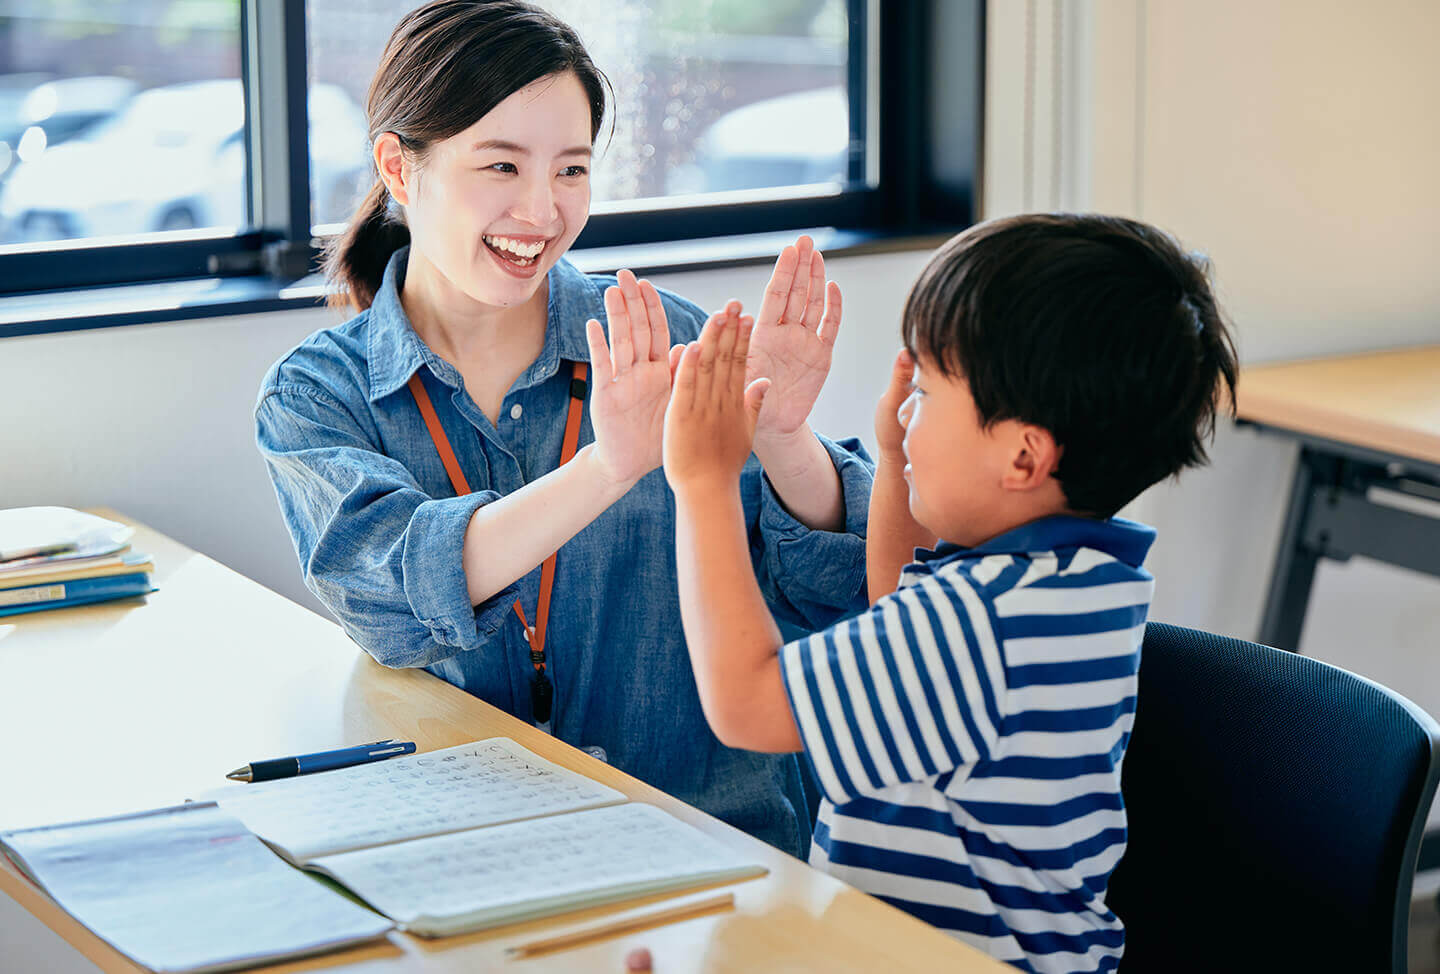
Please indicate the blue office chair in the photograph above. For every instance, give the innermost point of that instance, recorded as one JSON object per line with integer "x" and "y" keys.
{"x": 1275, "y": 805}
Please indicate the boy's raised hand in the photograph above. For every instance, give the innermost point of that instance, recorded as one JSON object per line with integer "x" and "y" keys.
{"x": 632, "y": 379}
{"x": 889, "y": 431}
{"x": 794, "y": 337}
{"x": 710, "y": 422}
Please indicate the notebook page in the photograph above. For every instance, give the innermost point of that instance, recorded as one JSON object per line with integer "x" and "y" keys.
{"x": 472, "y": 880}
{"x": 187, "y": 889}
{"x": 463, "y": 787}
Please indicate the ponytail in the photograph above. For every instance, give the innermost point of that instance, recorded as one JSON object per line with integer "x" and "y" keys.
{"x": 355, "y": 260}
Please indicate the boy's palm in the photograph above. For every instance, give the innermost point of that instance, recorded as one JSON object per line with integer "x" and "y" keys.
{"x": 889, "y": 431}
{"x": 710, "y": 422}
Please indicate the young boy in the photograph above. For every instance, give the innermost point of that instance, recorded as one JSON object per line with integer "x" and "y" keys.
{"x": 968, "y": 730}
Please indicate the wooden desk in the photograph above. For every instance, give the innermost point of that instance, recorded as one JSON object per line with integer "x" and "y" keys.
{"x": 214, "y": 670}
{"x": 1368, "y": 479}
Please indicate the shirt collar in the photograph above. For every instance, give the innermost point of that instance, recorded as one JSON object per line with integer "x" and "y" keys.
{"x": 1125, "y": 540}
{"x": 395, "y": 351}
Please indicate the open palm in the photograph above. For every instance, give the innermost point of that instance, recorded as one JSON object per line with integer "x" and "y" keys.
{"x": 632, "y": 379}
{"x": 793, "y": 338}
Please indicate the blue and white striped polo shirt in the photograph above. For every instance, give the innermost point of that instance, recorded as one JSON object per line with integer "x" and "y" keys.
{"x": 968, "y": 730}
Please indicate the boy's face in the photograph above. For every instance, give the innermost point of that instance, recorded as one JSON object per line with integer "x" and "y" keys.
{"x": 956, "y": 467}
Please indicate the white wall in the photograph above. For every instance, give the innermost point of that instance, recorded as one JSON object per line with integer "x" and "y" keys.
{"x": 1295, "y": 142}
{"x": 153, "y": 420}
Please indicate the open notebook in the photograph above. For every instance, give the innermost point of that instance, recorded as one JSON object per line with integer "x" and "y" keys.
{"x": 186, "y": 889}
{"x": 478, "y": 835}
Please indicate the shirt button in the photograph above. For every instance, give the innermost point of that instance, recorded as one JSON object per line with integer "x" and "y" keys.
{"x": 515, "y": 411}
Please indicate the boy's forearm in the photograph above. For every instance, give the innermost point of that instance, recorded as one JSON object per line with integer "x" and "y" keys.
{"x": 893, "y": 533}
{"x": 805, "y": 479}
{"x": 734, "y": 643}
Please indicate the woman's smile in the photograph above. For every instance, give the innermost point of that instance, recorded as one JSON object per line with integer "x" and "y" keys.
{"x": 515, "y": 255}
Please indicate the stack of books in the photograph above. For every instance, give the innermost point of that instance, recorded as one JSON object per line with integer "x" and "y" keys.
{"x": 52, "y": 557}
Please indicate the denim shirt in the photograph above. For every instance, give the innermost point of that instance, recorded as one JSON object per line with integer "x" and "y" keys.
{"x": 379, "y": 532}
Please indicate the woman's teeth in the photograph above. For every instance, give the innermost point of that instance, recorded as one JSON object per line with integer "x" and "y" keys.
{"x": 515, "y": 251}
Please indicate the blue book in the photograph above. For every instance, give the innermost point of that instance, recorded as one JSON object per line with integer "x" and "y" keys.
{"x": 80, "y": 591}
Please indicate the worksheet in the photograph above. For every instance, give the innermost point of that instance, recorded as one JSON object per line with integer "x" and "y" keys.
{"x": 486, "y": 877}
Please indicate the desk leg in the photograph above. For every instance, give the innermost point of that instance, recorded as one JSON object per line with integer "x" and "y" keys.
{"x": 1294, "y": 569}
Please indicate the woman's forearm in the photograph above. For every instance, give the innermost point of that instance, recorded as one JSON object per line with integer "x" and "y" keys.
{"x": 805, "y": 479}
{"x": 508, "y": 538}
{"x": 893, "y": 533}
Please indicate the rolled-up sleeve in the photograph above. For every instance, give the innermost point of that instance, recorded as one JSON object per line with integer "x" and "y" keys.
{"x": 380, "y": 553}
{"x": 819, "y": 575}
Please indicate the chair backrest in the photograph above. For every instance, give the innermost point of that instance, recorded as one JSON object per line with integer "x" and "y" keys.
{"x": 1275, "y": 806}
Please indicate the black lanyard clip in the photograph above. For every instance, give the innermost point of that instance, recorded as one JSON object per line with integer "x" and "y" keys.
{"x": 542, "y": 694}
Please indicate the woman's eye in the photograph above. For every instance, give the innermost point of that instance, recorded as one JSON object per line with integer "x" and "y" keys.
{"x": 505, "y": 167}
{"x": 574, "y": 171}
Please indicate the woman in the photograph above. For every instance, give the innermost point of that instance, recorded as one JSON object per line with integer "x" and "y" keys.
{"x": 424, "y": 536}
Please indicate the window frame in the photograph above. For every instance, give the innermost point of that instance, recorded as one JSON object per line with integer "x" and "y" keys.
{"x": 895, "y": 62}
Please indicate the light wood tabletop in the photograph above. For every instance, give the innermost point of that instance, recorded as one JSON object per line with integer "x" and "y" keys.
{"x": 142, "y": 703}
{"x": 1386, "y": 401}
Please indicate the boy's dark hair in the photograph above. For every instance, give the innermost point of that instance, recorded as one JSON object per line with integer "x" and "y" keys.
{"x": 1100, "y": 329}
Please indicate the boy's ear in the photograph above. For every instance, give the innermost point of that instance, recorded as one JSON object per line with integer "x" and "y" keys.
{"x": 1034, "y": 458}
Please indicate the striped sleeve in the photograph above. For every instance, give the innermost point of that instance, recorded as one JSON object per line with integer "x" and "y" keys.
{"x": 910, "y": 689}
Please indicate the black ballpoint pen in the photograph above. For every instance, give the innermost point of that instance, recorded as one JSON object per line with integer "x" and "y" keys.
{"x": 321, "y": 761}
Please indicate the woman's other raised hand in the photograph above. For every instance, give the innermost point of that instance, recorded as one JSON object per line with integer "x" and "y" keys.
{"x": 793, "y": 339}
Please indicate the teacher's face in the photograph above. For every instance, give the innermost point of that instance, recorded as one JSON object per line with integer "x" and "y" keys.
{"x": 495, "y": 206}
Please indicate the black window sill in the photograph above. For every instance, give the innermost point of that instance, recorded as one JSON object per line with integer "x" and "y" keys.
{"x": 38, "y": 313}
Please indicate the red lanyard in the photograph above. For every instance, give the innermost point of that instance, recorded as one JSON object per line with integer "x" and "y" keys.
{"x": 540, "y": 688}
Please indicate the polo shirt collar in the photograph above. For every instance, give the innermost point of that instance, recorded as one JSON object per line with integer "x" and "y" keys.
{"x": 1122, "y": 539}
{"x": 396, "y": 351}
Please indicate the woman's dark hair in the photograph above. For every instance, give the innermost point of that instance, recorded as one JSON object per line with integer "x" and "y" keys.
{"x": 1099, "y": 329}
{"x": 446, "y": 65}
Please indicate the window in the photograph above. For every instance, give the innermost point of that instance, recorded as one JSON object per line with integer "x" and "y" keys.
{"x": 163, "y": 139}
{"x": 740, "y": 95}
{"x": 120, "y": 119}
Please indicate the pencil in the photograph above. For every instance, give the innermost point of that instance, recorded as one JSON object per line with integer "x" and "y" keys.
{"x": 643, "y": 921}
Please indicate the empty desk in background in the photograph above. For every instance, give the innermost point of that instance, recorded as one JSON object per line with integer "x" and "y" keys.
{"x": 1368, "y": 478}
{"x": 125, "y": 706}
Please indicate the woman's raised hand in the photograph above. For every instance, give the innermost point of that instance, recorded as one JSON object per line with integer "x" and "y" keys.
{"x": 793, "y": 338}
{"x": 632, "y": 379}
